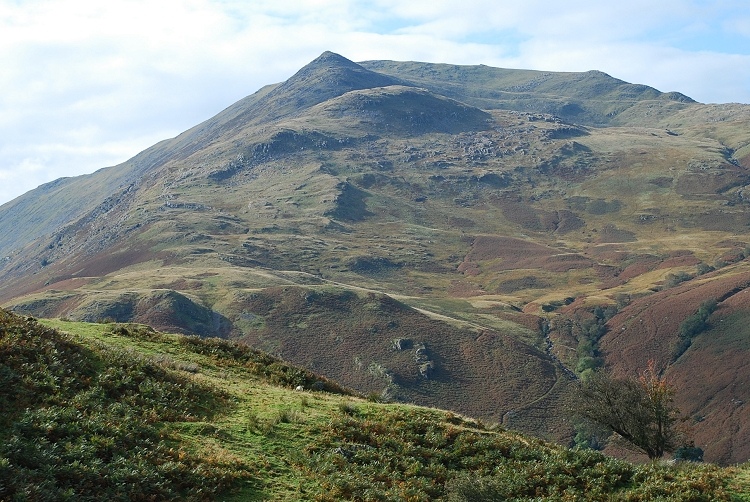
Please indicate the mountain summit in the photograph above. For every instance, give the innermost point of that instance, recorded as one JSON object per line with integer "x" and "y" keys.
{"x": 466, "y": 237}
{"x": 326, "y": 77}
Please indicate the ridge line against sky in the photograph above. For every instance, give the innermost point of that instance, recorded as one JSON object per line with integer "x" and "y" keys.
{"x": 87, "y": 84}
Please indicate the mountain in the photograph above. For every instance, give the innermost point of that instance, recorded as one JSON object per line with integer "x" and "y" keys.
{"x": 465, "y": 237}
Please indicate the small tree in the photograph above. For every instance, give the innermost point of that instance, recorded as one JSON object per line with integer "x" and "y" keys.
{"x": 639, "y": 410}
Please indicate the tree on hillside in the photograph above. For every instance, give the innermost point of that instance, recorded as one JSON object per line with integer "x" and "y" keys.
{"x": 692, "y": 327}
{"x": 639, "y": 410}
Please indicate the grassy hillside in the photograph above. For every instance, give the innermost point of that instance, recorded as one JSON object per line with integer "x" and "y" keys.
{"x": 122, "y": 411}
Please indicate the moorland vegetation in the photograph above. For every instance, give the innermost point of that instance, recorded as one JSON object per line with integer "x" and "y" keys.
{"x": 120, "y": 411}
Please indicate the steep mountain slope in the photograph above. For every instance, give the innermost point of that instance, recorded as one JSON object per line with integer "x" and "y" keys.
{"x": 424, "y": 232}
{"x": 50, "y": 206}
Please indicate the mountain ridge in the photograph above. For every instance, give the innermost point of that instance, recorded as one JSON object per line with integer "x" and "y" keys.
{"x": 557, "y": 93}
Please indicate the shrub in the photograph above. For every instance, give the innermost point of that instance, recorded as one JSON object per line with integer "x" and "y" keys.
{"x": 413, "y": 454}
{"x": 588, "y": 363}
{"x": 703, "y": 268}
{"x": 288, "y": 416}
{"x": 689, "y": 453}
{"x": 87, "y": 424}
{"x": 693, "y": 326}
{"x": 278, "y": 372}
{"x": 673, "y": 280}
{"x": 347, "y": 408}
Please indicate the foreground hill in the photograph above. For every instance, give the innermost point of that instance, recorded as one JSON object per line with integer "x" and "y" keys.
{"x": 124, "y": 412}
{"x": 471, "y": 238}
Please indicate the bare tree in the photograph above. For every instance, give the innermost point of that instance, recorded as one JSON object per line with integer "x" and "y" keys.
{"x": 639, "y": 410}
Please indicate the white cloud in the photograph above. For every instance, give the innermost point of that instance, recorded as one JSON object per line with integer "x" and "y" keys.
{"x": 739, "y": 25}
{"x": 24, "y": 175}
{"x": 85, "y": 84}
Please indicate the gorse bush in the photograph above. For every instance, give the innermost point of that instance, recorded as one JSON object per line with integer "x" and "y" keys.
{"x": 262, "y": 364}
{"x": 412, "y": 454}
{"x": 609, "y": 480}
{"x": 81, "y": 424}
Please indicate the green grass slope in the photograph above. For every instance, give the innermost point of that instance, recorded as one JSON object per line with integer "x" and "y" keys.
{"x": 123, "y": 412}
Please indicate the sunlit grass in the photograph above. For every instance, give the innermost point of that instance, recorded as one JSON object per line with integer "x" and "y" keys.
{"x": 278, "y": 443}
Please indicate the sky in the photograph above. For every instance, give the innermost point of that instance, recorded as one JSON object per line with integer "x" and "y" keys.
{"x": 86, "y": 84}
